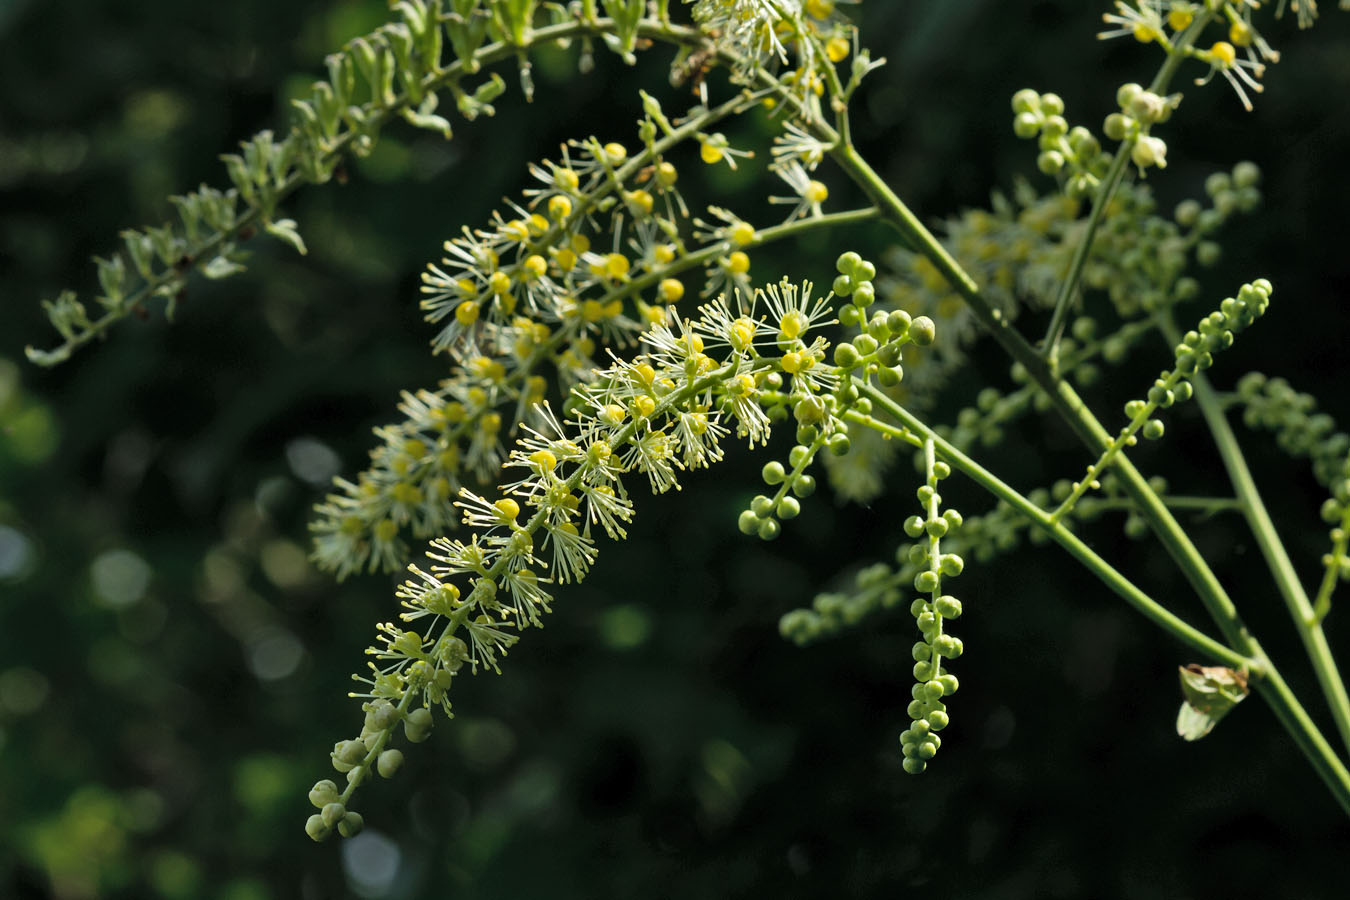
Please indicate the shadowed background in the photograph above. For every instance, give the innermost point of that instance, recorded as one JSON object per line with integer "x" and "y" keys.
{"x": 172, "y": 672}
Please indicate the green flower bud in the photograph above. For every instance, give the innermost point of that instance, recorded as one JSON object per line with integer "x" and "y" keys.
{"x": 914, "y": 526}
{"x": 417, "y": 726}
{"x": 323, "y": 793}
{"x": 947, "y": 606}
{"x": 316, "y": 829}
{"x": 944, "y": 645}
{"x": 926, "y": 620}
{"x": 936, "y": 528}
{"x": 921, "y": 651}
{"x": 922, "y": 331}
{"x": 1126, "y": 93}
{"x": 788, "y": 508}
{"x": 923, "y": 670}
{"x": 388, "y": 763}
{"x": 1051, "y": 104}
{"x": 1026, "y": 100}
{"x": 351, "y": 825}
{"x": 1050, "y": 162}
{"x": 865, "y": 344}
{"x": 897, "y": 322}
{"x": 1153, "y": 429}
{"x": 769, "y": 529}
{"x": 864, "y": 271}
{"x": 864, "y": 294}
{"x": 762, "y": 507}
{"x": 933, "y": 689}
{"x": 332, "y": 813}
{"x": 916, "y": 609}
{"x": 773, "y": 472}
{"x": 804, "y": 486}
{"x": 843, "y": 286}
{"x": 1026, "y": 125}
{"x": 839, "y": 444}
{"x": 890, "y": 376}
{"x": 953, "y": 517}
{"x": 1116, "y": 127}
{"x": 914, "y": 766}
{"x": 350, "y": 752}
{"x": 949, "y": 684}
{"x": 927, "y": 751}
{"x": 847, "y": 262}
{"x": 951, "y": 565}
{"x": 915, "y": 709}
{"x": 849, "y": 316}
{"x": 846, "y": 356}
{"x": 926, "y": 582}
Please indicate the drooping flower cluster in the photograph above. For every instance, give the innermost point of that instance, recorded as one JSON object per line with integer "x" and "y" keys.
{"x": 663, "y": 412}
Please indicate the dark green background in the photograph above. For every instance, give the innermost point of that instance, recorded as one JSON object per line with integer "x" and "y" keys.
{"x": 142, "y": 756}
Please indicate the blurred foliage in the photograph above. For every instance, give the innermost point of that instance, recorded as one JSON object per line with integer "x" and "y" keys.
{"x": 172, "y": 671}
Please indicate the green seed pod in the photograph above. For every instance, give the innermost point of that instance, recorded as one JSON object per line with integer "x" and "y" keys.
{"x": 351, "y": 825}
{"x": 323, "y": 793}
{"x": 315, "y": 828}
{"x": 769, "y": 529}
{"x": 332, "y": 813}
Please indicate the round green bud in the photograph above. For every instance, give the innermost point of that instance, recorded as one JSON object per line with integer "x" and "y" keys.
{"x": 890, "y": 376}
{"x": 1050, "y": 162}
{"x": 927, "y": 751}
{"x": 864, "y": 271}
{"x": 847, "y": 262}
{"x": 949, "y": 684}
{"x": 947, "y": 606}
{"x": 417, "y": 726}
{"x": 920, "y": 728}
{"x": 919, "y": 692}
{"x": 914, "y": 766}
{"x": 865, "y": 344}
{"x": 839, "y": 444}
{"x": 788, "y": 508}
{"x": 1208, "y": 253}
{"x": 748, "y": 522}
{"x": 889, "y": 354}
{"x": 864, "y": 294}
{"x": 951, "y": 564}
{"x": 351, "y": 825}
{"x": 326, "y": 792}
{"x": 804, "y": 486}
{"x": 926, "y": 582}
{"x": 923, "y": 670}
{"x": 332, "y": 813}
{"x": 926, "y": 620}
{"x": 953, "y": 517}
{"x": 1052, "y": 105}
{"x": 936, "y": 528}
{"x": 849, "y": 316}
{"x": 918, "y": 554}
{"x": 909, "y": 737}
{"x": 897, "y": 321}
{"x": 914, "y": 526}
{"x": 843, "y": 286}
{"x": 846, "y": 356}
{"x": 916, "y": 609}
{"x": 933, "y": 689}
{"x": 1218, "y": 183}
{"x": 388, "y": 763}
{"x": 809, "y": 410}
{"x": 798, "y": 456}
{"x": 915, "y": 709}
{"x": 937, "y": 720}
{"x": 921, "y": 651}
{"x": 941, "y": 470}
{"x": 773, "y": 472}
{"x": 1053, "y": 128}
{"x": 1246, "y": 174}
{"x": 1026, "y": 100}
{"x": 761, "y": 506}
{"x": 1153, "y": 429}
{"x": 922, "y": 331}
{"x": 1116, "y": 127}
{"x": 1126, "y": 93}
{"x": 316, "y": 829}
{"x": 877, "y": 327}
{"x": 807, "y": 434}
{"x": 769, "y": 529}
{"x": 350, "y": 752}
{"x": 1026, "y": 125}
{"x": 944, "y": 645}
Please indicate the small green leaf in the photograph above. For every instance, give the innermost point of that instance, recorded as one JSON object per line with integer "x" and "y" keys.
{"x": 285, "y": 229}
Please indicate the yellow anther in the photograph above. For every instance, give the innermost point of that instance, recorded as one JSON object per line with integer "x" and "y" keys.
{"x": 567, "y": 260}
{"x": 738, "y": 262}
{"x": 820, "y": 9}
{"x": 516, "y": 230}
{"x": 741, "y": 233}
{"x": 566, "y": 179}
{"x": 641, "y": 200}
{"x": 499, "y": 282}
{"x": 792, "y": 324}
{"x": 741, "y": 332}
{"x": 535, "y": 265}
{"x": 816, "y": 192}
{"x": 544, "y": 460}
{"x": 537, "y": 224}
{"x": 644, "y": 405}
{"x": 616, "y": 265}
{"x": 711, "y": 153}
{"x": 645, "y": 373}
{"x": 1223, "y": 53}
{"x": 792, "y": 363}
{"x": 663, "y": 253}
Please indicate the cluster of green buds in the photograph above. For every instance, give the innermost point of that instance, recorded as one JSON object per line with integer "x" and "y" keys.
{"x": 1140, "y": 110}
{"x": 765, "y": 512}
{"x": 1272, "y": 404}
{"x": 1194, "y": 354}
{"x": 1074, "y": 154}
{"x": 927, "y": 711}
{"x": 877, "y": 350}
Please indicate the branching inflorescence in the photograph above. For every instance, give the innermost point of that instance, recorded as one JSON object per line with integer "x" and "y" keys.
{"x": 576, "y": 367}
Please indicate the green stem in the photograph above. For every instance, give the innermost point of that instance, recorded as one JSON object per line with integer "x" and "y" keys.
{"x": 1150, "y": 608}
{"x": 1268, "y": 681}
{"x": 1272, "y": 548}
{"x": 1110, "y": 184}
